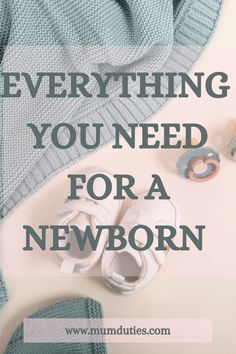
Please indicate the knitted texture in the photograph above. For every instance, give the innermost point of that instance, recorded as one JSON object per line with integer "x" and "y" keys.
{"x": 72, "y": 308}
{"x": 3, "y": 291}
{"x": 87, "y": 36}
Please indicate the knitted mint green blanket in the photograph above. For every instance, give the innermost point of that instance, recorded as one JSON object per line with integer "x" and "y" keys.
{"x": 86, "y": 36}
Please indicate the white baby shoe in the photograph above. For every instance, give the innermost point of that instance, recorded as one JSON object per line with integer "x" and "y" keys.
{"x": 128, "y": 270}
{"x": 82, "y": 213}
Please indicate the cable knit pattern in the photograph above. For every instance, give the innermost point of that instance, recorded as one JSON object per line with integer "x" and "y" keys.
{"x": 87, "y": 36}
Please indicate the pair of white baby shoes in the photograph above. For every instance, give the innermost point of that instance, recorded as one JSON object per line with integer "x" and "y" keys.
{"x": 127, "y": 270}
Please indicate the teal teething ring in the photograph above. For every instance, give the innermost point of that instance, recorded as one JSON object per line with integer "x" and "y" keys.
{"x": 206, "y": 156}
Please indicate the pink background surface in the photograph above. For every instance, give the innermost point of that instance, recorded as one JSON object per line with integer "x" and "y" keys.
{"x": 191, "y": 284}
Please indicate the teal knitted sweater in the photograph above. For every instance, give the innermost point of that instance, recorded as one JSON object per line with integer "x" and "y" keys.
{"x": 3, "y": 291}
{"x": 86, "y": 36}
{"x": 67, "y": 309}
{"x": 77, "y": 308}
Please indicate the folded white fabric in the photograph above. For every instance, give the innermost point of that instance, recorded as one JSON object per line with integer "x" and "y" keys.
{"x": 82, "y": 213}
{"x": 129, "y": 270}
